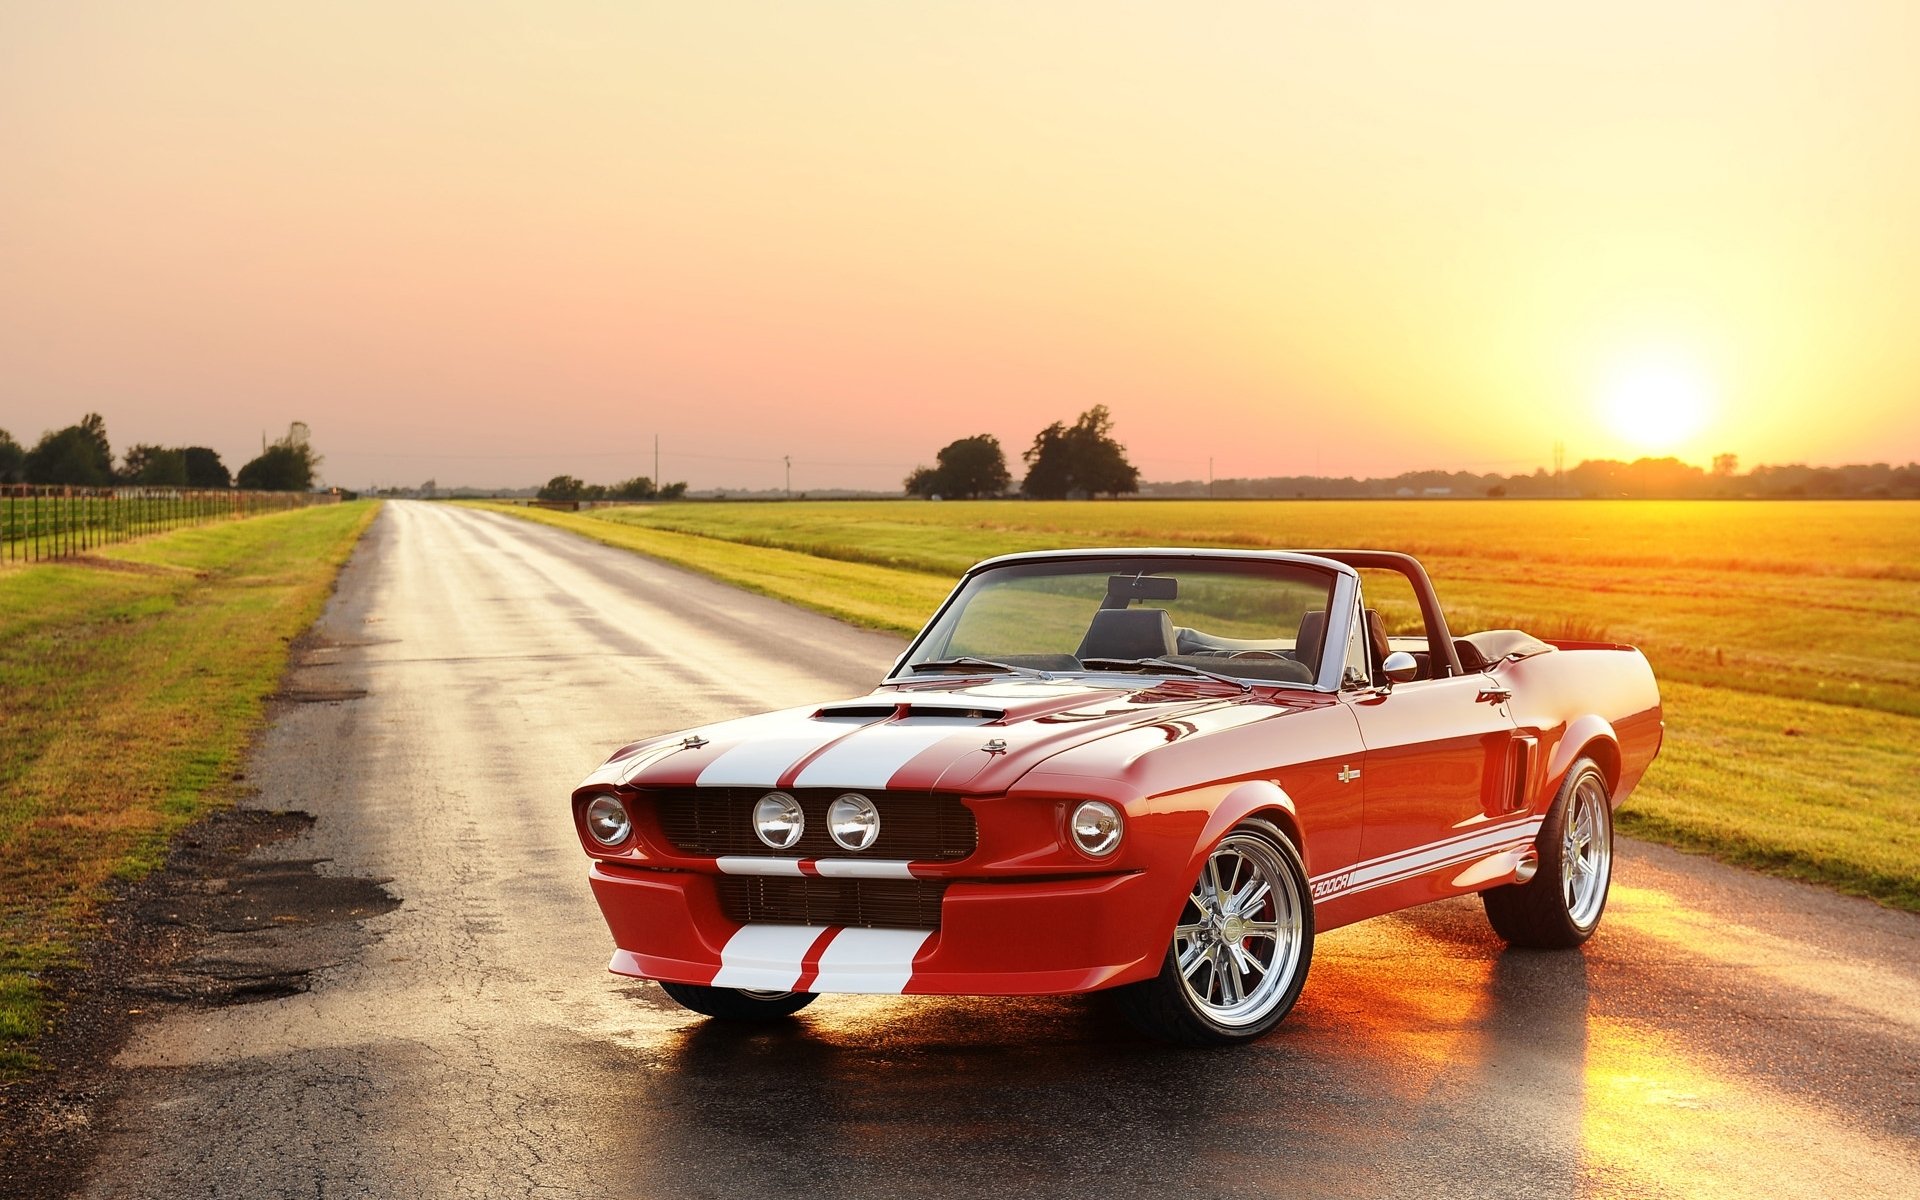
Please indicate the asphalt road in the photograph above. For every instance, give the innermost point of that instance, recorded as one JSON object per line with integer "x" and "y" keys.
{"x": 1724, "y": 1035}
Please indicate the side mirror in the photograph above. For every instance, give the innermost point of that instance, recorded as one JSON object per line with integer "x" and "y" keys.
{"x": 1400, "y": 666}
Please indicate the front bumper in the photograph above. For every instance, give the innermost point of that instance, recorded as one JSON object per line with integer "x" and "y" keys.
{"x": 998, "y": 938}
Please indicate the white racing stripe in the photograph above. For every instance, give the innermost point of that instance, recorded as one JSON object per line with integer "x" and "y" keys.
{"x": 743, "y": 864}
{"x": 865, "y": 868}
{"x": 1392, "y": 868}
{"x": 766, "y": 957}
{"x": 761, "y": 762}
{"x": 874, "y": 961}
{"x": 869, "y": 758}
{"x": 837, "y": 868}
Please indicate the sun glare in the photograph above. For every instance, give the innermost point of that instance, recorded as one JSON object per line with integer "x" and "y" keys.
{"x": 1656, "y": 402}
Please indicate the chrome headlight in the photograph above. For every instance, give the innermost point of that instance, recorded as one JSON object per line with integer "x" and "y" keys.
{"x": 853, "y": 821}
{"x": 1097, "y": 828}
{"x": 607, "y": 820}
{"x": 778, "y": 820}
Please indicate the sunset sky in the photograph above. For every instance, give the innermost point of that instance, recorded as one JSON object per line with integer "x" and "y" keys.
{"x": 489, "y": 243}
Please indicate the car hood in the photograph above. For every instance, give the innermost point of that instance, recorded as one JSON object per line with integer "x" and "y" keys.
{"x": 977, "y": 737}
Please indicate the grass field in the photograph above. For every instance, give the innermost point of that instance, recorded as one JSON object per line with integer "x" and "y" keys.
{"x": 132, "y": 681}
{"x": 1786, "y": 635}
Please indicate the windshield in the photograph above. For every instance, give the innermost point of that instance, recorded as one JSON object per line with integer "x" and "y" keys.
{"x": 1260, "y": 621}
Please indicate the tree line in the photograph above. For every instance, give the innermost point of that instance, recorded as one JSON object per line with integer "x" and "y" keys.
{"x": 1644, "y": 478}
{"x": 1081, "y": 459}
{"x": 566, "y": 487}
{"x": 81, "y": 456}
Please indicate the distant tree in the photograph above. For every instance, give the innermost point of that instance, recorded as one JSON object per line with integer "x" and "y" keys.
{"x": 637, "y": 488}
{"x": 154, "y": 466}
{"x": 924, "y": 481}
{"x": 77, "y": 455}
{"x": 204, "y": 468}
{"x": 1497, "y": 491}
{"x": 430, "y": 489}
{"x": 1726, "y": 466}
{"x": 1083, "y": 458}
{"x": 562, "y": 487}
{"x": 970, "y": 467}
{"x": 13, "y": 459}
{"x": 1049, "y": 471}
{"x": 673, "y": 491}
{"x": 287, "y": 465}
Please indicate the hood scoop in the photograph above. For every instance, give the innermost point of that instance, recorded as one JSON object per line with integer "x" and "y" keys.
{"x": 919, "y": 713}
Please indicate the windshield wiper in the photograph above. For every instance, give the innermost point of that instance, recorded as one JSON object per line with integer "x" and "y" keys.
{"x": 967, "y": 662}
{"x": 1160, "y": 664}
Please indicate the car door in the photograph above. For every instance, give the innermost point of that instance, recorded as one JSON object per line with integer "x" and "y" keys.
{"x": 1437, "y": 781}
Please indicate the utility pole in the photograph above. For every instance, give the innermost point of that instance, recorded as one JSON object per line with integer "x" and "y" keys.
{"x": 1209, "y": 476}
{"x": 656, "y": 464}
{"x": 788, "y": 459}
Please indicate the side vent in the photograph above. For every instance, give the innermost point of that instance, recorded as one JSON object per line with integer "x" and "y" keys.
{"x": 1520, "y": 770}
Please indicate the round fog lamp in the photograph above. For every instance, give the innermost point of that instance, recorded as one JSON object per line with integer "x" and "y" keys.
{"x": 1096, "y": 828}
{"x": 853, "y": 821}
{"x": 778, "y": 821}
{"x": 607, "y": 820}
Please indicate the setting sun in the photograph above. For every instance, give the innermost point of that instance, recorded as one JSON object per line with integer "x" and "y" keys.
{"x": 1656, "y": 402}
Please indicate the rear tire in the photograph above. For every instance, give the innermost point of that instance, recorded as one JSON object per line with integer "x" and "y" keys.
{"x": 1561, "y": 906}
{"x": 1240, "y": 949}
{"x": 737, "y": 1004}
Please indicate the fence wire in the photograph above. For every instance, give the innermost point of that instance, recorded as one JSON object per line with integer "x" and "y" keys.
{"x": 39, "y": 522}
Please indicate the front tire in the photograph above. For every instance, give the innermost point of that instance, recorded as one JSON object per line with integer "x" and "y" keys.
{"x": 1240, "y": 950}
{"x": 737, "y": 1004}
{"x": 1561, "y": 906}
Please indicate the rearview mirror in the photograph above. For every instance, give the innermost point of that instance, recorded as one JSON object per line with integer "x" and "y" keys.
{"x": 1400, "y": 666}
{"x": 1122, "y": 589}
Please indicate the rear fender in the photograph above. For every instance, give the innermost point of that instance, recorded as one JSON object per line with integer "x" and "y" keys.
{"x": 1591, "y": 736}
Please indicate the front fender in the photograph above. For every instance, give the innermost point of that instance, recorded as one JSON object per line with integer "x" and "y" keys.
{"x": 1256, "y": 797}
{"x": 1246, "y": 799}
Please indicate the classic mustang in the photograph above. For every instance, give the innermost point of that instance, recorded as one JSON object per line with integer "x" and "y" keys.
{"x": 1158, "y": 772}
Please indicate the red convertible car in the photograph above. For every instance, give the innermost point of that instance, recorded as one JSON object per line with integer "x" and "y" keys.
{"x": 1155, "y": 772}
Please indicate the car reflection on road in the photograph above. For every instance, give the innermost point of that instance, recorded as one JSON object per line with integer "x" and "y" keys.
{"x": 1426, "y": 1058}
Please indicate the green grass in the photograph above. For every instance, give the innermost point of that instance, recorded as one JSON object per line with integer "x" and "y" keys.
{"x": 1786, "y": 635}
{"x": 132, "y": 681}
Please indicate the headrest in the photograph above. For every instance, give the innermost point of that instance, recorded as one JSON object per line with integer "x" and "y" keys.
{"x": 1313, "y": 630}
{"x": 1377, "y": 634}
{"x": 1128, "y": 633}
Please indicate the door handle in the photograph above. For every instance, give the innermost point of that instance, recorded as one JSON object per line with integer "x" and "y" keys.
{"x": 1495, "y": 694}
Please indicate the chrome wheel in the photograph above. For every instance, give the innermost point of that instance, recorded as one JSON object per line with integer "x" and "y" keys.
{"x": 1238, "y": 944}
{"x": 1559, "y": 905}
{"x": 1586, "y": 852}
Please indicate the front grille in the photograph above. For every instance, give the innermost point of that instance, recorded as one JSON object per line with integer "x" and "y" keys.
{"x": 718, "y": 821}
{"x": 810, "y": 900}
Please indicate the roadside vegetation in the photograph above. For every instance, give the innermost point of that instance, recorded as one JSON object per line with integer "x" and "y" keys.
{"x": 132, "y": 679}
{"x": 1786, "y": 635}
